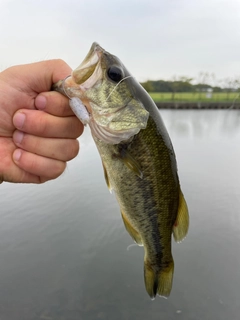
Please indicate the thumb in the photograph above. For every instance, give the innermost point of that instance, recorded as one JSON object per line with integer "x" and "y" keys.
{"x": 48, "y": 72}
{"x": 36, "y": 77}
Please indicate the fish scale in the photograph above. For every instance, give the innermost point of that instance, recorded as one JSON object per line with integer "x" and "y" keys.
{"x": 138, "y": 159}
{"x": 149, "y": 213}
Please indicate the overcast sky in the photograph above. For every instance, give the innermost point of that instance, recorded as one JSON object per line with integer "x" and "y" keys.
{"x": 154, "y": 39}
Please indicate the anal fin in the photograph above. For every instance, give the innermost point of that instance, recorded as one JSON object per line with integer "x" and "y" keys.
{"x": 131, "y": 230}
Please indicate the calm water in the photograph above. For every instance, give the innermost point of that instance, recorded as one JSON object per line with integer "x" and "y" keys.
{"x": 64, "y": 251}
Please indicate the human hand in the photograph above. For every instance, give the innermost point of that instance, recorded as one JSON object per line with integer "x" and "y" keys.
{"x": 38, "y": 131}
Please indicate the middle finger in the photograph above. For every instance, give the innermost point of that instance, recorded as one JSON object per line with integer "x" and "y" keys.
{"x": 54, "y": 103}
{"x": 42, "y": 124}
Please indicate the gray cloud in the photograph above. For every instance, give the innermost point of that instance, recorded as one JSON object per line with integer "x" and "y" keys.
{"x": 154, "y": 39}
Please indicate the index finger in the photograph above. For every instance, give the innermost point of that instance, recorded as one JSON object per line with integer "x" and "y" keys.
{"x": 53, "y": 103}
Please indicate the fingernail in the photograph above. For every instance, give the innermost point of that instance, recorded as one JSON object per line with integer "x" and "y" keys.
{"x": 18, "y": 120}
{"x": 40, "y": 102}
{"x": 17, "y": 155}
{"x": 17, "y": 137}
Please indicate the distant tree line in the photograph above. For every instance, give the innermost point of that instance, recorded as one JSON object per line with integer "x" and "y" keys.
{"x": 184, "y": 84}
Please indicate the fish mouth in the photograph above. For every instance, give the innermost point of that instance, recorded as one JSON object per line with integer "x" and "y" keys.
{"x": 89, "y": 64}
{"x": 84, "y": 76}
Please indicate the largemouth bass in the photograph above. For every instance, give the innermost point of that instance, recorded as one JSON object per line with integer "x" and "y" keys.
{"x": 137, "y": 156}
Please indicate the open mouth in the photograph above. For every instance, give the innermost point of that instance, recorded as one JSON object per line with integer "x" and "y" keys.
{"x": 84, "y": 76}
{"x": 89, "y": 64}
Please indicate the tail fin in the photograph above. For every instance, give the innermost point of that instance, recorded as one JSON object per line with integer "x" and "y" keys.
{"x": 158, "y": 282}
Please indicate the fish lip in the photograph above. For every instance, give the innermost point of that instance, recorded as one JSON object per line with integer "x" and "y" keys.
{"x": 88, "y": 66}
{"x": 83, "y": 77}
{"x": 58, "y": 86}
{"x": 82, "y": 73}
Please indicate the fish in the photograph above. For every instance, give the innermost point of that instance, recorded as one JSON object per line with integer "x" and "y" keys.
{"x": 138, "y": 159}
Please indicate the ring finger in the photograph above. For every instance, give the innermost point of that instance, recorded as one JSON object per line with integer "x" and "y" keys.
{"x": 60, "y": 149}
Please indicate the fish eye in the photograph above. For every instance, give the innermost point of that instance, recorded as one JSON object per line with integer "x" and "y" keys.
{"x": 115, "y": 73}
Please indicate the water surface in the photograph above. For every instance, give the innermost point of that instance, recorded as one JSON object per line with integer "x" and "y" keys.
{"x": 64, "y": 252}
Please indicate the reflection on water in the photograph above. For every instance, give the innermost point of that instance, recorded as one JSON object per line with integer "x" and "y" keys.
{"x": 64, "y": 253}
{"x": 201, "y": 124}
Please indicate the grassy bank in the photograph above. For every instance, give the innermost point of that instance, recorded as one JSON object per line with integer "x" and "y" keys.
{"x": 195, "y": 97}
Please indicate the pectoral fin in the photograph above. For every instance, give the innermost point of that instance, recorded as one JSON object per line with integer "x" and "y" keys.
{"x": 180, "y": 227}
{"x": 130, "y": 162}
{"x": 131, "y": 230}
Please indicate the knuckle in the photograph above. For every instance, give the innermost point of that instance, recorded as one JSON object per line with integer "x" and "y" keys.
{"x": 42, "y": 168}
{"x": 73, "y": 149}
{"x": 36, "y": 122}
{"x": 77, "y": 127}
{"x": 59, "y": 169}
{"x": 60, "y": 62}
{"x": 29, "y": 162}
{"x": 63, "y": 104}
{"x": 57, "y": 104}
{"x": 29, "y": 143}
{"x": 42, "y": 124}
